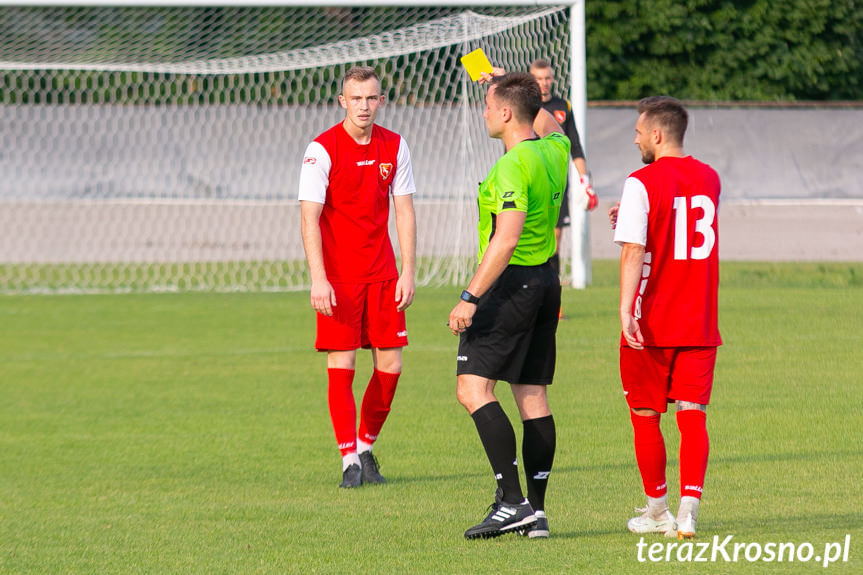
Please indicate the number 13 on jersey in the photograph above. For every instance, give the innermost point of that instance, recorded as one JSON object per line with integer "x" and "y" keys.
{"x": 703, "y": 227}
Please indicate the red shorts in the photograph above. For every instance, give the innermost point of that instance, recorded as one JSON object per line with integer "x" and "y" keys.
{"x": 365, "y": 315}
{"x": 655, "y": 376}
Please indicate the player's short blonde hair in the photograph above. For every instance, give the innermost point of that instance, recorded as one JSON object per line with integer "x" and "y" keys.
{"x": 360, "y": 74}
{"x": 540, "y": 64}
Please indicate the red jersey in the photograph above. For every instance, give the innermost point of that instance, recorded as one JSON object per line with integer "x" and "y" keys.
{"x": 354, "y": 182}
{"x": 670, "y": 207}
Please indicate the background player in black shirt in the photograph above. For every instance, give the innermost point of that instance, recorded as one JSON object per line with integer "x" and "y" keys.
{"x": 562, "y": 112}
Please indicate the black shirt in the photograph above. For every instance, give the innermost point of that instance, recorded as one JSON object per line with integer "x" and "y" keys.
{"x": 558, "y": 107}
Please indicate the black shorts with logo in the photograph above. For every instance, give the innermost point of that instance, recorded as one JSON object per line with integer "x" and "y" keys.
{"x": 512, "y": 337}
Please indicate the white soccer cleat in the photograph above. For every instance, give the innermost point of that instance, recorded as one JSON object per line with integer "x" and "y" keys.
{"x": 686, "y": 517}
{"x": 651, "y": 522}
{"x": 686, "y": 527}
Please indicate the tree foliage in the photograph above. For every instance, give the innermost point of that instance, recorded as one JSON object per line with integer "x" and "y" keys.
{"x": 725, "y": 49}
{"x": 764, "y": 50}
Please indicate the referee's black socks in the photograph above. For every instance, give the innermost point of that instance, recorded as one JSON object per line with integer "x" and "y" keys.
{"x": 537, "y": 454}
{"x": 498, "y": 439}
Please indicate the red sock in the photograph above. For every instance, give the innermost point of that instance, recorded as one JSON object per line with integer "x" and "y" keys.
{"x": 343, "y": 409}
{"x": 694, "y": 449}
{"x": 650, "y": 453}
{"x": 376, "y": 404}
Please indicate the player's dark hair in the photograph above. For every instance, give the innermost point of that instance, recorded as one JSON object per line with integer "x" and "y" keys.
{"x": 359, "y": 74}
{"x": 521, "y": 92}
{"x": 668, "y": 112}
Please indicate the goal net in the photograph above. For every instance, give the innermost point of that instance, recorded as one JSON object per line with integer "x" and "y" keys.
{"x": 159, "y": 148}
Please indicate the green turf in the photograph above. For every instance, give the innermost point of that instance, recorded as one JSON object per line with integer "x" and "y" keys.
{"x": 188, "y": 433}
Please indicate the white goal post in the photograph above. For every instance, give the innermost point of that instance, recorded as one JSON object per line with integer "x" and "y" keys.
{"x": 155, "y": 146}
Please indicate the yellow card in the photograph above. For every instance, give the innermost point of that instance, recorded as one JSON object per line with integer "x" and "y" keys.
{"x": 476, "y": 63}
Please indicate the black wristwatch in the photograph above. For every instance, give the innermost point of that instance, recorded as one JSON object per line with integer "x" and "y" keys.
{"x": 469, "y": 297}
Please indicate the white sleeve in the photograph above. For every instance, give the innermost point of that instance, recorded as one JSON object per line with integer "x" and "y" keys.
{"x": 632, "y": 215}
{"x": 403, "y": 182}
{"x": 315, "y": 174}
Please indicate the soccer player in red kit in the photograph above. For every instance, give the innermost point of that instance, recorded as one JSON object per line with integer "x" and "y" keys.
{"x": 669, "y": 277}
{"x": 348, "y": 175}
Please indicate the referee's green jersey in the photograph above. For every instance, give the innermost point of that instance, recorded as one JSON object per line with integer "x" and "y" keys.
{"x": 530, "y": 178}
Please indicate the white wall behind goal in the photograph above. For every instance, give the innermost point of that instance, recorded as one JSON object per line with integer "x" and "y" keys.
{"x": 173, "y": 184}
{"x": 216, "y": 182}
{"x": 789, "y": 154}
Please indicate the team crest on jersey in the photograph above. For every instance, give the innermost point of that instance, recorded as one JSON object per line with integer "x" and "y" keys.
{"x": 386, "y": 170}
{"x": 560, "y": 116}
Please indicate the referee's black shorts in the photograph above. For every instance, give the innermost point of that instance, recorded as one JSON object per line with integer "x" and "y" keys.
{"x": 512, "y": 337}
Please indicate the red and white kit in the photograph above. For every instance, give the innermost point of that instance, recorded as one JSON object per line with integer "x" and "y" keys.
{"x": 354, "y": 182}
{"x": 677, "y": 200}
{"x": 670, "y": 207}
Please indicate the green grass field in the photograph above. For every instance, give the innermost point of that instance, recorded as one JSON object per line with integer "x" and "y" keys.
{"x": 188, "y": 433}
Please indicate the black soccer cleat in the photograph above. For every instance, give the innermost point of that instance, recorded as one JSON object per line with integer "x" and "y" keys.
{"x": 538, "y": 530}
{"x": 352, "y": 476}
{"x": 503, "y": 518}
{"x": 370, "y": 468}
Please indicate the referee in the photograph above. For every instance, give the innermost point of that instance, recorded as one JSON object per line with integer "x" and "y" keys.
{"x": 507, "y": 319}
